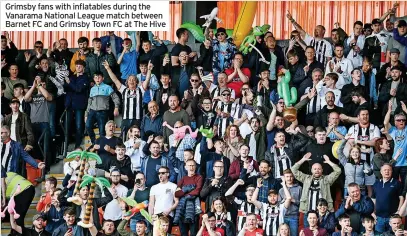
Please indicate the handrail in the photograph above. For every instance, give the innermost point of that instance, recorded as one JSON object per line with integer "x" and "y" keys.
{"x": 66, "y": 137}
{"x": 43, "y": 171}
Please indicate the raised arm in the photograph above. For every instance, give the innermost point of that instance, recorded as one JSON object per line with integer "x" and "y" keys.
{"x": 296, "y": 25}
{"x": 272, "y": 118}
{"x": 256, "y": 202}
{"x": 115, "y": 80}
{"x": 232, "y": 189}
{"x": 146, "y": 82}
{"x": 28, "y": 95}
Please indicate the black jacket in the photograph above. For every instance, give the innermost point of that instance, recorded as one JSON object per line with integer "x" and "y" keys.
{"x": 9, "y": 55}
{"x": 321, "y": 118}
{"x": 384, "y": 96}
{"x": 346, "y": 98}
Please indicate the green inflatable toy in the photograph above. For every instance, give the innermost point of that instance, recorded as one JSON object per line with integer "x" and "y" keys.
{"x": 208, "y": 133}
{"x": 250, "y": 39}
{"x": 198, "y": 32}
{"x": 284, "y": 91}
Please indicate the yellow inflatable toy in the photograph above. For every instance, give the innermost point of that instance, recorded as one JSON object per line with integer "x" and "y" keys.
{"x": 335, "y": 148}
{"x": 244, "y": 22}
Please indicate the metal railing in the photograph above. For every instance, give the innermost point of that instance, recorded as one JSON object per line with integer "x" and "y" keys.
{"x": 62, "y": 122}
{"x": 44, "y": 154}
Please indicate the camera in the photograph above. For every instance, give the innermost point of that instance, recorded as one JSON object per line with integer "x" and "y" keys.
{"x": 138, "y": 181}
{"x": 353, "y": 44}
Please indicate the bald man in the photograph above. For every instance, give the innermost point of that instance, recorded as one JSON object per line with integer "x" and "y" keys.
{"x": 316, "y": 185}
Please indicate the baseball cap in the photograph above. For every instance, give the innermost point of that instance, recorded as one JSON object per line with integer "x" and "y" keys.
{"x": 224, "y": 90}
{"x": 15, "y": 100}
{"x": 402, "y": 23}
{"x": 37, "y": 216}
{"x": 394, "y": 50}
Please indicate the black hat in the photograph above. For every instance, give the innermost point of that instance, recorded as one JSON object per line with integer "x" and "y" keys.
{"x": 376, "y": 21}
{"x": 394, "y": 50}
{"x": 402, "y": 23}
{"x": 15, "y": 100}
{"x": 221, "y": 30}
{"x": 396, "y": 68}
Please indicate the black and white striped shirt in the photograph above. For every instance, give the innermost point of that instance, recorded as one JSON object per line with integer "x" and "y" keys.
{"x": 323, "y": 48}
{"x": 233, "y": 110}
{"x": 273, "y": 216}
{"x": 6, "y": 155}
{"x": 314, "y": 105}
{"x": 132, "y": 103}
{"x": 314, "y": 194}
{"x": 243, "y": 209}
{"x": 215, "y": 92}
{"x": 282, "y": 161}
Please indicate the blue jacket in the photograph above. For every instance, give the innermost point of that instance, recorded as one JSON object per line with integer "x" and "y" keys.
{"x": 118, "y": 41}
{"x": 76, "y": 96}
{"x": 209, "y": 158}
{"x": 62, "y": 229}
{"x": 54, "y": 218}
{"x": 151, "y": 126}
{"x": 164, "y": 162}
{"x": 358, "y": 210}
{"x": 17, "y": 152}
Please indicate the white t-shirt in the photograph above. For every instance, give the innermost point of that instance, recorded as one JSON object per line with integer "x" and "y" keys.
{"x": 164, "y": 196}
{"x": 113, "y": 211}
{"x": 13, "y": 127}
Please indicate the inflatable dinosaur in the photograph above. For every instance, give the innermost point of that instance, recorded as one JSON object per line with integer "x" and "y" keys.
{"x": 251, "y": 38}
{"x": 198, "y": 32}
{"x": 11, "y": 205}
{"x": 136, "y": 208}
{"x": 179, "y": 133}
{"x": 208, "y": 133}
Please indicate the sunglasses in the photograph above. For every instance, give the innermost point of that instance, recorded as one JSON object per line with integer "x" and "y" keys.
{"x": 280, "y": 102}
{"x": 311, "y": 130}
{"x": 226, "y": 95}
{"x": 38, "y": 46}
{"x": 194, "y": 80}
{"x": 401, "y": 120}
{"x": 222, "y": 34}
{"x": 162, "y": 173}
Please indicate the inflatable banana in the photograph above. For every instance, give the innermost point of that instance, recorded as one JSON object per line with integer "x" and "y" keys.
{"x": 244, "y": 21}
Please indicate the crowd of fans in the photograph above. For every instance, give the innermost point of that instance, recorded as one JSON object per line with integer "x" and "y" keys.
{"x": 256, "y": 173}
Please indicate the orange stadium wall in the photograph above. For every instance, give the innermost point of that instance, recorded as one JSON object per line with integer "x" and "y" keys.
{"x": 307, "y": 14}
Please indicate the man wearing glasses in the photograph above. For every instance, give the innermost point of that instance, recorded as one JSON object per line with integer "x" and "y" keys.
{"x": 162, "y": 196}
{"x": 223, "y": 51}
{"x": 399, "y": 134}
{"x": 113, "y": 211}
{"x": 226, "y": 111}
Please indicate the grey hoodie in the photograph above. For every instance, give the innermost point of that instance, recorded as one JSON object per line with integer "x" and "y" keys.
{"x": 295, "y": 192}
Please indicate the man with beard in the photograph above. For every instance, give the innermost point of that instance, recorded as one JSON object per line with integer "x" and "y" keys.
{"x": 33, "y": 59}
{"x": 94, "y": 61}
{"x": 216, "y": 186}
{"x": 215, "y": 91}
{"x": 266, "y": 177}
{"x": 385, "y": 71}
{"x": 81, "y": 54}
{"x": 264, "y": 89}
{"x": 338, "y": 35}
{"x": 341, "y": 66}
{"x": 375, "y": 45}
{"x": 8, "y": 54}
{"x": 393, "y": 90}
{"x": 321, "y": 118}
{"x": 322, "y": 47}
{"x": 61, "y": 53}
{"x": 282, "y": 155}
{"x": 123, "y": 164}
{"x": 12, "y": 80}
{"x": 139, "y": 193}
{"x": 399, "y": 135}
{"x": 256, "y": 139}
{"x": 276, "y": 123}
{"x": 174, "y": 114}
{"x": 150, "y": 165}
{"x": 113, "y": 211}
{"x": 128, "y": 58}
{"x": 38, "y": 228}
{"x": 311, "y": 98}
{"x": 328, "y": 84}
{"x": 312, "y": 220}
{"x": 163, "y": 93}
{"x": 365, "y": 134}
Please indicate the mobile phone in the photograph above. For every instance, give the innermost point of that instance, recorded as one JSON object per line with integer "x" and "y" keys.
{"x": 108, "y": 44}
